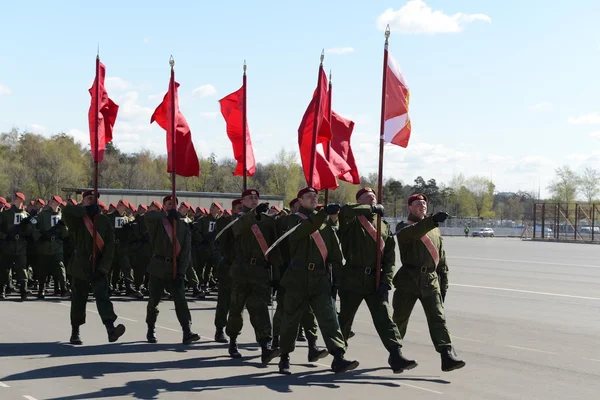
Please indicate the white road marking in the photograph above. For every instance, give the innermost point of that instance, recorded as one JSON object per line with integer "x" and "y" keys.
{"x": 527, "y": 291}
{"x": 4, "y": 385}
{"x": 591, "y": 359}
{"x": 469, "y": 339}
{"x": 169, "y": 329}
{"x": 526, "y": 348}
{"x": 525, "y": 262}
{"x": 128, "y": 319}
{"x": 29, "y": 397}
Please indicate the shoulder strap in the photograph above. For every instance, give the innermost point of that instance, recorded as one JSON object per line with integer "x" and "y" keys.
{"x": 316, "y": 235}
{"x": 433, "y": 251}
{"x": 264, "y": 247}
{"x": 371, "y": 230}
{"x": 169, "y": 229}
{"x": 90, "y": 227}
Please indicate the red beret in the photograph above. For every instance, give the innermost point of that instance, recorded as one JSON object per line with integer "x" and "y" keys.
{"x": 236, "y": 202}
{"x": 20, "y": 195}
{"x": 186, "y": 204}
{"x": 2, "y": 200}
{"x": 204, "y": 210}
{"x": 228, "y": 212}
{"x": 90, "y": 193}
{"x": 167, "y": 198}
{"x": 293, "y": 202}
{"x": 143, "y": 207}
{"x": 41, "y": 201}
{"x": 125, "y": 203}
{"x": 276, "y": 209}
{"x": 218, "y": 206}
{"x": 363, "y": 191}
{"x": 416, "y": 196}
{"x": 302, "y": 192}
{"x": 58, "y": 199}
{"x": 156, "y": 204}
{"x": 248, "y": 192}
{"x": 102, "y": 206}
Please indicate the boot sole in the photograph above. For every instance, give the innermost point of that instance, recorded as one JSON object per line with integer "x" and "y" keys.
{"x": 275, "y": 353}
{"x": 285, "y": 372}
{"x": 76, "y": 343}
{"x": 221, "y": 340}
{"x": 119, "y": 331}
{"x": 320, "y": 355}
{"x": 350, "y": 367}
{"x": 192, "y": 339}
{"x": 455, "y": 367}
{"x": 409, "y": 367}
{"x": 235, "y": 355}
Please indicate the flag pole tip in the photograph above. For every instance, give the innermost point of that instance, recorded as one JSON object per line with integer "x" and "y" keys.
{"x": 322, "y": 56}
{"x": 171, "y": 61}
{"x": 245, "y": 66}
{"x": 387, "y": 31}
{"x": 329, "y": 75}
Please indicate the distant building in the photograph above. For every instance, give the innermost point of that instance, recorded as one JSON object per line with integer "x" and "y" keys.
{"x": 137, "y": 197}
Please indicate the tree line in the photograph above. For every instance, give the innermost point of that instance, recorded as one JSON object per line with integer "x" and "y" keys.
{"x": 42, "y": 166}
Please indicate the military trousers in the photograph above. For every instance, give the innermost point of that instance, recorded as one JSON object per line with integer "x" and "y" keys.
{"x": 380, "y": 311}
{"x": 156, "y": 288}
{"x": 139, "y": 262}
{"x": 206, "y": 262}
{"x": 305, "y": 289}
{"x": 121, "y": 267}
{"x": 250, "y": 289}
{"x": 412, "y": 285}
{"x": 308, "y": 320}
{"x": 79, "y": 297}
{"x": 224, "y": 295}
{"x": 16, "y": 262}
{"x": 51, "y": 265}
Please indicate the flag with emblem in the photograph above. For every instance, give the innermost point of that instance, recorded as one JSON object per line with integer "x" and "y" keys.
{"x": 397, "y": 126}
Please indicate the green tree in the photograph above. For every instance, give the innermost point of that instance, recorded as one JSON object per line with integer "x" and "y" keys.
{"x": 589, "y": 184}
{"x": 564, "y": 186}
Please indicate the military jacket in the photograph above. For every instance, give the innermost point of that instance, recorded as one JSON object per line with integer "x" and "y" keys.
{"x": 123, "y": 226}
{"x": 80, "y": 266}
{"x": 413, "y": 250}
{"x": 52, "y": 232}
{"x": 162, "y": 265}
{"x": 247, "y": 247}
{"x": 227, "y": 239}
{"x": 15, "y": 229}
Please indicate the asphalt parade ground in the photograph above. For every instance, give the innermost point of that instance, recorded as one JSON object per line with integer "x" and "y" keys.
{"x": 525, "y": 316}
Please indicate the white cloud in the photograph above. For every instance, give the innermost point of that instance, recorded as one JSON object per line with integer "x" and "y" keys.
{"x": 4, "y": 90}
{"x": 116, "y": 84}
{"x": 592, "y": 118}
{"x": 340, "y": 50}
{"x": 158, "y": 96}
{"x": 595, "y": 135}
{"x": 417, "y": 17}
{"x": 541, "y": 106}
{"x": 205, "y": 90}
{"x": 39, "y": 129}
{"x": 208, "y": 114}
{"x": 130, "y": 110}
{"x": 358, "y": 119}
{"x": 80, "y": 136}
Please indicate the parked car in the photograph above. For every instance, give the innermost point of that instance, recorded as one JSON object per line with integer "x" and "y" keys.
{"x": 484, "y": 232}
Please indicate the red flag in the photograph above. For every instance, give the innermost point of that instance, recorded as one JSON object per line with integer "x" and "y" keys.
{"x": 186, "y": 160}
{"x": 323, "y": 177}
{"x": 397, "y": 125}
{"x": 341, "y": 129}
{"x": 107, "y": 115}
{"x": 232, "y": 108}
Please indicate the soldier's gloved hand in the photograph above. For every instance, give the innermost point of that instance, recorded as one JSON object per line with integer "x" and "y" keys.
{"x": 332, "y": 208}
{"x": 440, "y": 217}
{"x": 92, "y": 209}
{"x": 383, "y": 291}
{"x": 443, "y": 280}
{"x": 378, "y": 209}
{"x": 173, "y": 214}
{"x": 262, "y": 208}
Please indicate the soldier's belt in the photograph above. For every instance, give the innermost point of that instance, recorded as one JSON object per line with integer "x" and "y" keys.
{"x": 163, "y": 259}
{"x": 309, "y": 266}
{"x": 367, "y": 270}
{"x": 251, "y": 261}
{"x": 422, "y": 268}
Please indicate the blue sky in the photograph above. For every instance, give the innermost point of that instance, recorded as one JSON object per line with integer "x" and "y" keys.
{"x": 507, "y": 90}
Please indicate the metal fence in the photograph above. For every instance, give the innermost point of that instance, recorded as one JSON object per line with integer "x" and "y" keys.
{"x": 566, "y": 221}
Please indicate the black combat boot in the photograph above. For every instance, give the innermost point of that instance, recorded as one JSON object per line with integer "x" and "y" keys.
{"x": 275, "y": 342}
{"x": 75, "y": 339}
{"x": 301, "y": 337}
{"x": 340, "y": 364}
{"x": 2, "y": 292}
{"x": 114, "y": 333}
{"x": 220, "y": 336}
{"x": 131, "y": 292}
{"x": 284, "y": 364}
{"x": 397, "y": 361}
{"x": 233, "y": 348}
{"x": 449, "y": 361}
{"x": 23, "y": 290}
{"x": 151, "y": 334}
{"x": 189, "y": 336}
{"x": 267, "y": 353}
{"x": 41, "y": 292}
{"x": 314, "y": 352}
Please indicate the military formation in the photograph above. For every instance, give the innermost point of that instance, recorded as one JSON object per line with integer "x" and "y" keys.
{"x": 306, "y": 257}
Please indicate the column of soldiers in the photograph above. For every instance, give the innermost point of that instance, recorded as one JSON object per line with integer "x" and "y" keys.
{"x": 307, "y": 255}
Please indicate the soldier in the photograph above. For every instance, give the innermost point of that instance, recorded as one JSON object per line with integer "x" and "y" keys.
{"x": 160, "y": 269}
{"x": 50, "y": 247}
{"x": 466, "y": 231}
{"x": 314, "y": 250}
{"x": 252, "y": 274}
{"x": 423, "y": 276}
{"x": 124, "y": 228}
{"x": 207, "y": 252}
{"x": 357, "y": 278}
{"x": 15, "y": 229}
{"x": 144, "y": 250}
{"x": 223, "y": 271}
{"x": 79, "y": 221}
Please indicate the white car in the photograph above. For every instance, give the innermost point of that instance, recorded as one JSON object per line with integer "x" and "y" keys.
{"x": 484, "y": 232}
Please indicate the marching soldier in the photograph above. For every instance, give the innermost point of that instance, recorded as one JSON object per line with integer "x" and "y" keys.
{"x": 160, "y": 269}
{"x": 52, "y": 231}
{"x": 207, "y": 254}
{"x": 15, "y": 229}
{"x": 252, "y": 274}
{"x": 79, "y": 221}
{"x": 223, "y": 271}
{"x": 314, "y": 249}
{"x": 144, "y": 249}
{"x": 424, "y": 276}
{"x": 357, "y": 278}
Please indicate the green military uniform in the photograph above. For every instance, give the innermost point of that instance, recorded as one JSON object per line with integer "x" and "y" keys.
{"x": 308, "y": 321}
{"x": 50, "y": 249}
{"x": 15, "y": 229}
{"x": 140, "y": 257}
{"x": 160, "y": 270}
{"x": 223, "y": 274}
{"x": 357, "y": 278}
{"x": 308, "y": 283}
{"x": 419, "y": 279}
{"x": 251, "y": 276}
{"x": 206, "y": 249}
{"x": 121, "y": 266}
{"x": 80, "y": 269}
